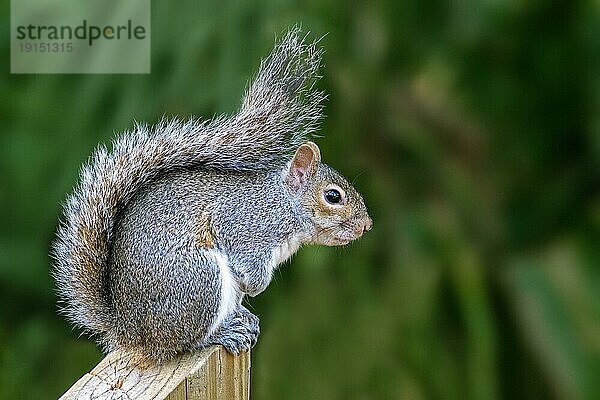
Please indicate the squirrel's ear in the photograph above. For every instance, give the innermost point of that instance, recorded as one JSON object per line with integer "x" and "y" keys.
{"x": 304, "y": 165}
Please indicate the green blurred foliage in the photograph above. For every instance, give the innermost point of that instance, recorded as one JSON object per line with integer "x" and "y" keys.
{"x": 473, "y": 131}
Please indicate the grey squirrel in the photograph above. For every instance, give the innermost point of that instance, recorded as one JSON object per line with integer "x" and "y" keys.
{"x": 166, "y": 233}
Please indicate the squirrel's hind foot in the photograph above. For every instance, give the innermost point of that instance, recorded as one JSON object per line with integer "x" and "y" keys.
{"x": 239, "y": 332}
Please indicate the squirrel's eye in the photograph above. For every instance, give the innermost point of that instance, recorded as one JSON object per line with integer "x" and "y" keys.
{"x": 333, "y": 196}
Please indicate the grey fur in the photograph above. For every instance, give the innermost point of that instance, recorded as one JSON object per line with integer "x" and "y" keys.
{"x": 131, "y": 265}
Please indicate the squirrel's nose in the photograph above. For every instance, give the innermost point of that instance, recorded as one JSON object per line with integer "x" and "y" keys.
{"x": 368, "y": 224}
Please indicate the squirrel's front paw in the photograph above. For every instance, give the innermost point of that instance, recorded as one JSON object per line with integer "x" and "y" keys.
{"x": 251, "y": 285}
{"x": 239, "y": 332}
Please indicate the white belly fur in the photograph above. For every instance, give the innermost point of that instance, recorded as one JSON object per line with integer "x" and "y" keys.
{"x": 284, "y": 251}
{"x": 230, "y": 294}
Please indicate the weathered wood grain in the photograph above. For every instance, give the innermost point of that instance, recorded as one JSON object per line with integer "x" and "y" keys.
{"x": 211, "y": 374}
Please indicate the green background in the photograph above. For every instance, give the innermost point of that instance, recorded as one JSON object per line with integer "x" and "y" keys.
{"x": 471, "y": 128}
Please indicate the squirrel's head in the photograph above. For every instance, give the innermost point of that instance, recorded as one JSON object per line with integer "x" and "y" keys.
{"x": 337, "y": 212}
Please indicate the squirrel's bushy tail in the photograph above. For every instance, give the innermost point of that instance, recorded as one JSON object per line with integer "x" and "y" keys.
{"x": 280, "y": 109}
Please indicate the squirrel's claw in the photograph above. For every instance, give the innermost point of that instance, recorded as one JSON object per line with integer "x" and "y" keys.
{"x": 239, "y": 332}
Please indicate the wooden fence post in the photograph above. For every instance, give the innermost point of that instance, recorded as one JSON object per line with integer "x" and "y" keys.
{"x": 209, "y": 374}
